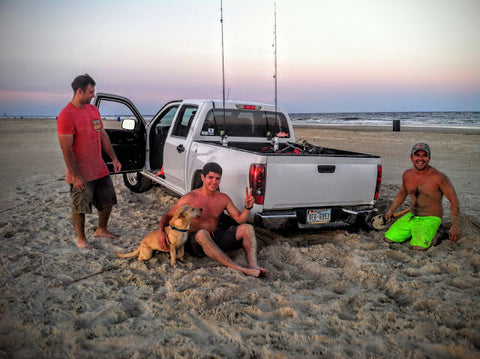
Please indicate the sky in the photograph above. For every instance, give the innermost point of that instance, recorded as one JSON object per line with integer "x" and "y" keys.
{"x": 332, "y": 55}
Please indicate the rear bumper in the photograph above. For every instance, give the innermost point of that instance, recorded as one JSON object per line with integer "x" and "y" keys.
{"x": 341, "y": 217}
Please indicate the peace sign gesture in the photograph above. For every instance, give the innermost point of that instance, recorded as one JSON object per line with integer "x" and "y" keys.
{"x": 249, "y": 199}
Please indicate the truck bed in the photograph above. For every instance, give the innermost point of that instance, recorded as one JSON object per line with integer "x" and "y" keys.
{"x": 306, "y": 149}
{"x": 304, "y": 175}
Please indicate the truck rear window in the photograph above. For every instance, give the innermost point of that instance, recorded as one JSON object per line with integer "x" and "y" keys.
{"x": 244, "y": 123}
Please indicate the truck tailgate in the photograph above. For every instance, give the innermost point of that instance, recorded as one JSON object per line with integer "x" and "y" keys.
{"x": 316, "y": 181}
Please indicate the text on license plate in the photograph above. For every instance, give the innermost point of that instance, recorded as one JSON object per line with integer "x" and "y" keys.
{"x": 317, "y": 216}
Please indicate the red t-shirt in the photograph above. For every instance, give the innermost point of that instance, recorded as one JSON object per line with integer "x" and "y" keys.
{"x": 85, "y": 124}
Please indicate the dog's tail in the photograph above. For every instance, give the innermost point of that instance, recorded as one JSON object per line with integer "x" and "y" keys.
{"x": 128, "y": 255}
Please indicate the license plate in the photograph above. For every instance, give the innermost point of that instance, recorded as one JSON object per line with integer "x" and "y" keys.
{"x": 318, "y": 216}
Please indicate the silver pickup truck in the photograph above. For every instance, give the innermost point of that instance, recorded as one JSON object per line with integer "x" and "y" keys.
{"x": 293, "y": 183}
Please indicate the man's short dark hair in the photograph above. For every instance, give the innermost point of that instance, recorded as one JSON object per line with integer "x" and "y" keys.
{"x": 82, "y": 82}
{"x": 211, "y": 167}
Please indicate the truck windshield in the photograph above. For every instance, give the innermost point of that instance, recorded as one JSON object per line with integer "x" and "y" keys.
{"x": 245, "y": 123}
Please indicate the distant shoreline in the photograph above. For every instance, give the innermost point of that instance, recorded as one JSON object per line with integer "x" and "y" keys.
{"x": 389, "y": 128}
{"x": 346, "y": 127}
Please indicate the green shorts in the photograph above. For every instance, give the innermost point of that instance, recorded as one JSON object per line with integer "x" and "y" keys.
{"x": 422, "y": 229}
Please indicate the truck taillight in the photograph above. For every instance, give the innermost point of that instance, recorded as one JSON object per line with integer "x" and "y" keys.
{"x": 248, "y": 107}
{"x": 379, "y": 181}
{"x": 257, "y": 181}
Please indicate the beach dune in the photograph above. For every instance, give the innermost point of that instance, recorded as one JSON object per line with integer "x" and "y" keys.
{"x": 332, "y": 294}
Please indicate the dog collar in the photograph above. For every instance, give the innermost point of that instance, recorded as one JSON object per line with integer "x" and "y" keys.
{"x": 178, "y": 229}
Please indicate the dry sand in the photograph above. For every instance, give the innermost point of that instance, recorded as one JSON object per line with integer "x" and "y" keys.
{"x": 332, "y": 294}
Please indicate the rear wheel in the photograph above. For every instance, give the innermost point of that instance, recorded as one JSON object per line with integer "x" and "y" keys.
{"x": 137, "y": 182}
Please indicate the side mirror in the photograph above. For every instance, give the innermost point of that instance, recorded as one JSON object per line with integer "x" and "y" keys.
{"x": 128, "y": 124}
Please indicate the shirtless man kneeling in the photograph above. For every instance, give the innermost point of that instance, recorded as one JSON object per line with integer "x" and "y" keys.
{"x": 204, "y": 236}
{"x": 426, "y": 187}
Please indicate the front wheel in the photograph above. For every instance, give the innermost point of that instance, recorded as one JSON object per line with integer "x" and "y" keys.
{"x": 137, "y": 182}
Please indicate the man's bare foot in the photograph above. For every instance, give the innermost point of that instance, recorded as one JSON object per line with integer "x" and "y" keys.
{"x": 255, "y": 272}
{"x": 104, "y": 233}
{"x": 251, "y": 272}
{"x": 81, "y": 243}
{"x": 263, "y": 271}
{"x": 418, "y": 248}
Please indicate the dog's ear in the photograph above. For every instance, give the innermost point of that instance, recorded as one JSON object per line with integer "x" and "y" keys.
{"x": 182, "y": 212}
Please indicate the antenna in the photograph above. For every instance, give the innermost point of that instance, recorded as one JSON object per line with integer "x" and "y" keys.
{"x": 275, "y": 52}
{"x": 222, "y": 132}
{"x": 223, "y": 55}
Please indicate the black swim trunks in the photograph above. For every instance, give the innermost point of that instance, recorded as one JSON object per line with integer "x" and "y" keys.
{"x": 225, "y": 239}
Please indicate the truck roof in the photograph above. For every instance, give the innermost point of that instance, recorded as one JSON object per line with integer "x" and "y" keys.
{"x": 238, "y": 104}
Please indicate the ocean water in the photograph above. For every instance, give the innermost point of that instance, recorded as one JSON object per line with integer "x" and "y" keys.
{"x": 416, "y": 119}
{"x": 420, "y": 119}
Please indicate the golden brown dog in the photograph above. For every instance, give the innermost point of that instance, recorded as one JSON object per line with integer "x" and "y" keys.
{"x": 177, "y": 233}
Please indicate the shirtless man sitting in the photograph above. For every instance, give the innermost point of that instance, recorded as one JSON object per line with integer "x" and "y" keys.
{"x": 426, "y": 187}
{"x": 204, "y": 236}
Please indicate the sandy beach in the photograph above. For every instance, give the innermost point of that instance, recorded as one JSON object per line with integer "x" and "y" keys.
{"x": 331, "y": 294}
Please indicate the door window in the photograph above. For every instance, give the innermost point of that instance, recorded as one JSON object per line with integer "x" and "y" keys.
{"x": 184, "y": 120}
{"x": 166, "y": 119}
{"x": 113, "y": 114}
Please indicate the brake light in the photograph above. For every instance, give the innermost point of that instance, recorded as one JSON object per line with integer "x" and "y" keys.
{"x": 257, "y": 181}
{"x": 379, "y": 181}
{"x": 248, "y": 107}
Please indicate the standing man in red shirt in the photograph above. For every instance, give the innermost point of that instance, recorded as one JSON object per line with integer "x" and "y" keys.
{"x": 82, "y": 138}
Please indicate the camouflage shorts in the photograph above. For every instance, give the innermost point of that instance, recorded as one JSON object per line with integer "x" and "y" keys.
{"x": 99, "y": 193}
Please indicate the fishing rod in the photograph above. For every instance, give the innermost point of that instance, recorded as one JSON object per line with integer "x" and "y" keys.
{"x": 222, "y": 132}
{"x": 275, "y": 51}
